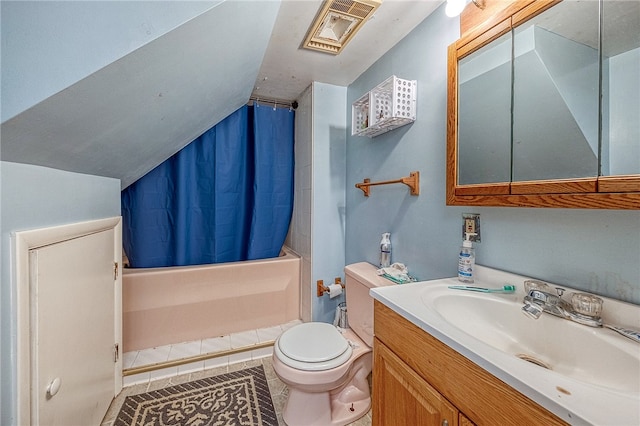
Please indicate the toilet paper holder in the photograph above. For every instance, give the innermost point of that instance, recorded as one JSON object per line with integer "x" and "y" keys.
{"x": 322, "y": 289}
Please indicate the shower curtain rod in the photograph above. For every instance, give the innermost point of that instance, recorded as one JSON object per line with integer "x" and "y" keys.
{"x": 271, "y": 101}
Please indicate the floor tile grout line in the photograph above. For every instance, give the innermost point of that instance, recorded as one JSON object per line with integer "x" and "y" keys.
{"x": 196, "y": 358}
{"x": 150, "y": 351}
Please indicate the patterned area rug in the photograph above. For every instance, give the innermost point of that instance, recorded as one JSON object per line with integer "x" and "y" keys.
{"x": 239, "y": 398}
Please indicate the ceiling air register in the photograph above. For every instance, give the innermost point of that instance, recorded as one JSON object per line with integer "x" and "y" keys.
{"x": 337, "y": 22}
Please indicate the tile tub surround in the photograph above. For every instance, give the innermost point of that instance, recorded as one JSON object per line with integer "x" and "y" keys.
{"x": 164, "y": 306}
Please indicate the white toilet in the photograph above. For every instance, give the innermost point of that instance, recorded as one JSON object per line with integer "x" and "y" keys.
{"x": 326, "y": 370}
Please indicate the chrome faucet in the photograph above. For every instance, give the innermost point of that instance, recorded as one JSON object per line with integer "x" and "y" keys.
{"x": 538, "y": 301}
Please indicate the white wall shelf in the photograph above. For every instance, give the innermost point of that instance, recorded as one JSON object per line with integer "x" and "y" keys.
{"x": 387, "y": 106}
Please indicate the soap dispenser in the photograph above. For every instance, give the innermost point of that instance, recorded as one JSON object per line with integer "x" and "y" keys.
{"x": 385, "y": 250}
{"x": 466, "y": 260}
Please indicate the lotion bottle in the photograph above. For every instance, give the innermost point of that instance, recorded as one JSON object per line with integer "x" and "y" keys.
{"x": 385, "y": 250}
{"x": 466, "y": 260}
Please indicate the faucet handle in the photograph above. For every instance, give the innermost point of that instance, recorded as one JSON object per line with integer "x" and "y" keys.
{"x": 532, "y": 310}
{"x": 536, "y": 285}
{"x": 587, "y": 304}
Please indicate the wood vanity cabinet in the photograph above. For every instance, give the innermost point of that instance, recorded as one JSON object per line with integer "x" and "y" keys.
{"x": 418, "y": 380}
{"x": 405, "y": 398}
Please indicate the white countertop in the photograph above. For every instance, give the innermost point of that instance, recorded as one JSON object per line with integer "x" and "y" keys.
{"x": 576, "y": 402}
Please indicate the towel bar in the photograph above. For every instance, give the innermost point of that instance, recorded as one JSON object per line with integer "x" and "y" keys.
{"x": 412, "y": 181}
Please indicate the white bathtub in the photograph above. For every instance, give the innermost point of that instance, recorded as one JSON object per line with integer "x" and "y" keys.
{"x": 163, "y": 306}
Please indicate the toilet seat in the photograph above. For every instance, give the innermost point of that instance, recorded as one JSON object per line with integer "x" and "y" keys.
{"x": 313, "y": 346}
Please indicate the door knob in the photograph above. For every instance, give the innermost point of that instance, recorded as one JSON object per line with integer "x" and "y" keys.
{"x": 53, "y": 387}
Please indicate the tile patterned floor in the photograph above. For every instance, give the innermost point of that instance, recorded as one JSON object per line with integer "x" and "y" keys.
{"x": 159, "y": 379}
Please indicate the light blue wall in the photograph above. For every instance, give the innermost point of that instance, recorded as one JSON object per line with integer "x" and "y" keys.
{"x": 593, "y": 250}
{"x": 328, "y": 205}
{"x": 35, "y": 197}
{"x": 424, "y": 233}
{"x": 88, "y": 36}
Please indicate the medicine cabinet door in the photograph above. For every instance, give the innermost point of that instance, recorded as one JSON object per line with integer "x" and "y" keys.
{"x": 620, "y": 88}
{"x": 543, "y": 107}
{"x": 555, "y": 95}
{"x": 484, "y": 111}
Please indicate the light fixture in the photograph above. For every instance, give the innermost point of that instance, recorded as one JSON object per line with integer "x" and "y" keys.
{"x": 337, "y": 22}
{"x": 455, "y": 7}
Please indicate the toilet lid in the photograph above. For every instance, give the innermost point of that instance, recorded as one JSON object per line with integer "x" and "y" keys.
{"x": 314, "y": 346}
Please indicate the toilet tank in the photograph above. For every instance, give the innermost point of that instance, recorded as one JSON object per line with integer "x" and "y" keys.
{"x": 359, "y": 279}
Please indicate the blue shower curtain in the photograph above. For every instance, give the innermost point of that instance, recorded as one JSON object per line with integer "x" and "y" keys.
{"x": 225, "y": 197}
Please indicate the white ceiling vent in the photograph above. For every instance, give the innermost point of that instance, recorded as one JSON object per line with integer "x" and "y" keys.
{"x": 336, "y": 24}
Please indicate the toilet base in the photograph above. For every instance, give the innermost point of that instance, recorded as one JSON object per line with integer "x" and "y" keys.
{"x": 338, "y": 407}
{"x": 321, "y": 411}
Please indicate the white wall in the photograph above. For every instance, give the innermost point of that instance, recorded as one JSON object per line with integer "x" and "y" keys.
{"x": 592, "y": 250}
{"x": 299, "y": 237}
{"x": 35, "y": 197}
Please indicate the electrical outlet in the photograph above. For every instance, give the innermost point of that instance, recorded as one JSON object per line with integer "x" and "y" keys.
{"x": 471, "y": 224}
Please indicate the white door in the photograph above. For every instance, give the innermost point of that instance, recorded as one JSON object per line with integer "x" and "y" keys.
{"x": 73, "y": 334}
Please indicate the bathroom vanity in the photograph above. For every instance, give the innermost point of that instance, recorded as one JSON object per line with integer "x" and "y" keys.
{"x": 451, "y": 357}
{"x": 418, "y": 376}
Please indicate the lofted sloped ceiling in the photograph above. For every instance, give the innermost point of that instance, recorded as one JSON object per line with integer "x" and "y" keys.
{"x": 126, "y": 118}
{"x": 114, "y": 88}
{"x": 288, "y": 69}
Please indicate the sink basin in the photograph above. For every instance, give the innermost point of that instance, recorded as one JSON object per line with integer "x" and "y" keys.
{"x": 590, "y": 355}
{"x": 584, "y": 375}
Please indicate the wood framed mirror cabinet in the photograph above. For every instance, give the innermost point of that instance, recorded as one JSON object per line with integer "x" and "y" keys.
{"x": 543, "y": 105}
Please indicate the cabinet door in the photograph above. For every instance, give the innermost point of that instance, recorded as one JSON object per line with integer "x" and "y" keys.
{"x": 402, "y": 397}
{"x": 73, "y": 336}
{"x": 464, "y": 421}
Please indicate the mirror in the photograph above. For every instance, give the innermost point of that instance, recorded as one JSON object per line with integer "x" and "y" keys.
{"x": 484, "y": 139}
{"x": 555, "y": 94}
{"x": 537, "y": 107}
{"x": 621, "y": 88}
